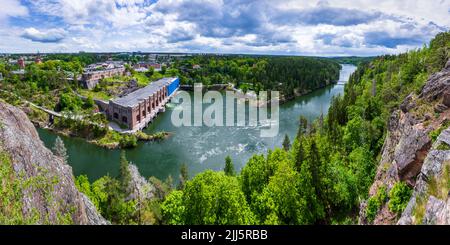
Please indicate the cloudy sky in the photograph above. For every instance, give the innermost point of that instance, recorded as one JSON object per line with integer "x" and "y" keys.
{"x": 300, "y": 27}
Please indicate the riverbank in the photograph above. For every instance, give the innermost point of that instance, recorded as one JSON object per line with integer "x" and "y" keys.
{"x": 200, "y": 148}
{"x": 91, "y": 133}
{"x": 252, "y": 96}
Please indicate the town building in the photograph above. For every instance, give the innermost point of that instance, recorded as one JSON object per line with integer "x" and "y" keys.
{"x": 95, "y": 72}
{"x": 144, "y": 66}
{"x": 38, "y": 60}
{"x": 21, "y": 63}
{"x": 19, "y": 72}
{"x": 138, "y": 108}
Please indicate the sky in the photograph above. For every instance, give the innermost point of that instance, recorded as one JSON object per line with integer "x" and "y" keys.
{"x": 281, "y": 27}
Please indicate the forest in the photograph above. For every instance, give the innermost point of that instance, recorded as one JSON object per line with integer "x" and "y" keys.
{"x": 318, "y": 177}
{"x": 289, "y": 75}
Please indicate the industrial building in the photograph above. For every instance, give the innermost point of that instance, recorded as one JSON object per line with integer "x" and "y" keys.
{"x": 138, "y": 108}
{"x": 95, "y": 72}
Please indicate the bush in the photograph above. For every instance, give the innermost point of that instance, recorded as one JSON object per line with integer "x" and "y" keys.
{"x": 399, "y": 197}
{"x": 435, "y": 133}
{"x": 128, "y": 141}
{"x": 375, "y": 202}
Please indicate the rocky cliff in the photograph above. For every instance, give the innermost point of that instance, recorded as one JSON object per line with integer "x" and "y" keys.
{"x": 417, "y": 151}
{"x": 49, "y": 194}
{"x": 140, "y": 188}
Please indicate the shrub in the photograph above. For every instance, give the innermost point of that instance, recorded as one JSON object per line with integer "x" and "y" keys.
{"x": 435, "y": 133}
{"x": 375, "y": 202}
{"x": 399, "y": 197}
{"x": 128, "y": 141}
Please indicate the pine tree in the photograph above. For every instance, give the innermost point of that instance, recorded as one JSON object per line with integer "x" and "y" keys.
{"x": 303, "y": 125}
{"x": 184, "y": 176}
{"x": 299, "y": 152}
{"x": 59, "y": 149}
{"x": 229, "y": 167}
{"x": 169, "y": 182}
{"x": 286, "y": 143}
{"x": 124, "y": 174}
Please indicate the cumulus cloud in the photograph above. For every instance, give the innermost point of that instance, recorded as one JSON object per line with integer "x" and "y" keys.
{"x": 11, "y": 8}
{"x": 248, "y": 26}
{"x": 385, "y": 39}
{"x": 46, "y": 36}
{"x": 326, "y": 15}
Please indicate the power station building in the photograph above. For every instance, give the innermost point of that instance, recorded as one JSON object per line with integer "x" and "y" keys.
{"x": 138, "y": 108}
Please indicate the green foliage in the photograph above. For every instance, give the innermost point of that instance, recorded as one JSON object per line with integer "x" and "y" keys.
{"x": 435, "y": 133}
{"x": 399, "y": 197}
{"x": 184, "y": 176}
{"x": 128, "y": 141}
{"x": 173, "y": 209}
{"x": 439, "y": 186}
{"x": 13, "y": 187}
{"x": 374, "y": 203}
{"x": 286, "y": 143}
{"x": 124, "y": 173}
{"x": 89, "y": 103}
{"x": 229, "y": 167}
{"x": 353, "y": 60}
{"x": 284, "y": 194}
{"x": 210, "y": 198}
{"x": 59, "y": 149}
{"x": 150, "y": 72}
{"x": 443, "y": 147}
{"x": 285, "y": 74}
{"x": 70, "y": 102}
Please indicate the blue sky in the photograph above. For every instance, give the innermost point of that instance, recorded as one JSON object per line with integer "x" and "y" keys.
{"x": 294, "y": 27}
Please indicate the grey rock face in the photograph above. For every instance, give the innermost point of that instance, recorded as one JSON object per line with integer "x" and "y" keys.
{"x": 446, "y": 99}
{"x": 439, "y": 108}
{"x": 436, "y": 212}
{"x": 408, "y": 103}
{"x": 411, "y": 149}
{"x": 141, "y": 189}
{"x": 31, "y": 159}
{"x": 408, "y": 153}
{"x": 437, "y": 85}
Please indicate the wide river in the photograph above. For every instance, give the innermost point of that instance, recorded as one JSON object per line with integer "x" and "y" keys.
{"x": 200, "y": 148}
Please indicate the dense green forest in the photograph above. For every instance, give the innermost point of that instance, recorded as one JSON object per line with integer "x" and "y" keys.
{"x": 318, "y": 179}
{"x": 285, "y": 74}
{"x": 319, "y": 176}
{"x": 354, "y": 60}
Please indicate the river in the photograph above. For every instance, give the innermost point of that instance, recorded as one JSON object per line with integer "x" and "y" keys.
{"x": 200, "y": 148}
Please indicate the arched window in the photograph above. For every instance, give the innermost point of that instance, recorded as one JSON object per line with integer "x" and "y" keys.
{"x": 124, "y": 119}
{"x": 116, "y": 116}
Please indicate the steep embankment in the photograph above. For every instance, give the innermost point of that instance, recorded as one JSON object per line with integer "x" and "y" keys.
{"x": 37, "y": 186}
{"x": 417, "y": 151}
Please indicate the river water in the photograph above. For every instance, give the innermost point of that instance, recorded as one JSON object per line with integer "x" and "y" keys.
{"x": 200, "y": 148}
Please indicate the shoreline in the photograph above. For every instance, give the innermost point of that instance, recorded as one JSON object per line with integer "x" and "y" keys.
{"x": 139, "y": 136}
{"x": 190, "y": 88}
